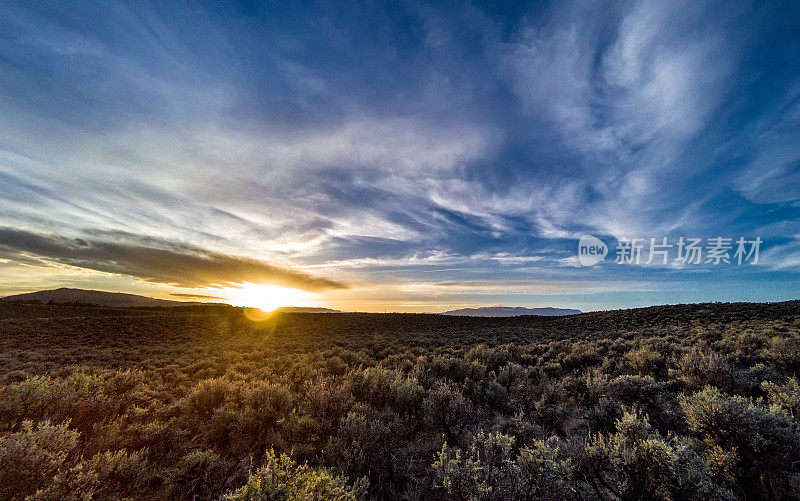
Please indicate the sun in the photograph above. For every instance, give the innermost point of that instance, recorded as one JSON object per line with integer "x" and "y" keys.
{"x": 267, "y": 297}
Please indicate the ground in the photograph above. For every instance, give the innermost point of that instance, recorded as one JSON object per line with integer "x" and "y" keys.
{"x": 670, "y": 402}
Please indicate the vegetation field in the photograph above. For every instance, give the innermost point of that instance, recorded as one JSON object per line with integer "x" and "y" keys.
{"x": 202, "y": 402}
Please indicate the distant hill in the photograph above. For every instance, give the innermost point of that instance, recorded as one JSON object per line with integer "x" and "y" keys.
{"x": 305, "y": 309}
{"x": 510, "y": 311}
{"x": 102, "y": 298}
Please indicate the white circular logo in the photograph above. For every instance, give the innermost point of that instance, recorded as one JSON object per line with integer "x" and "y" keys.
{"x": 591, "y": 250}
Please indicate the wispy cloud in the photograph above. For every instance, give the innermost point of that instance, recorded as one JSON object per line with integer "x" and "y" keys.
{"x": 383, "y": 141}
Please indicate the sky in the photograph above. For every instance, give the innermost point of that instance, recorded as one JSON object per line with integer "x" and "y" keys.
{"x": 400, "y": 156}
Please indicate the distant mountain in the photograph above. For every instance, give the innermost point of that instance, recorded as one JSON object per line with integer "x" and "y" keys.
{"x": 102, "y": 298}
{"x": 305, "y": 309}
{"x": 510, "y": 311}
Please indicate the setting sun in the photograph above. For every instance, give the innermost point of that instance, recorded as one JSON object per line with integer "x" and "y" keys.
{"x": 267, "y": 297}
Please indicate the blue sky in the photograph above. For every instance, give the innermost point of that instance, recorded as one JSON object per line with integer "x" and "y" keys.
{"x": 398, "y": 156}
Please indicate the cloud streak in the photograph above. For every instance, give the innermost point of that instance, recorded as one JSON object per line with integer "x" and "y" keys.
{"x": 179, "y": 265}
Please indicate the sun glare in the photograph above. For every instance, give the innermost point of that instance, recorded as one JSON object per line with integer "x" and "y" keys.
{"x": 267, "y": 297}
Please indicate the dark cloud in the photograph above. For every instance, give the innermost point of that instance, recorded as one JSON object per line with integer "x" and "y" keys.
{"x": 197, "y": 296}
{"x": 177, "y": 264}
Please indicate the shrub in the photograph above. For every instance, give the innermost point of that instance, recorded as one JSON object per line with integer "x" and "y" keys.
{"x": 490, "y": 470}
{"x": 386, "y": 387}
{"x": 786, "y": 396}
{"x": 604, "y": 415}
{"x": 493, "y": 394}
{"x": 118, "y": 471}
{"x": 636, "y": 462}
{"x": 84, "y": 398}
{"x": 362, "y": 446}
{"x": 512, "y": 375}
{"x": 327, "y": 400}
{"x": 31, "y": 457}
{"x": 260, "y": 408}
{"x": 456, "y": 369}
{"x": 784, "y": 352}
{"x": 492, "y": 358}
{"x": 205, "y": 397}
{"x": 281, "y": 479}
{"x": 580, "y": 356}
{"x": 649, "y": 395}
{"x": 702, "y": 367}
{"x": 484, "y": 472}
{"x": 447, "y": 410}
{"x": 646, "y": 361}
{"x": 756, "y": 445}
{"x": 199, "y": 474}
{"x": 542, "y": 473}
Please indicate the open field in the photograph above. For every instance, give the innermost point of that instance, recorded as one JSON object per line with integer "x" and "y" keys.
{"x": 674, "y": 402}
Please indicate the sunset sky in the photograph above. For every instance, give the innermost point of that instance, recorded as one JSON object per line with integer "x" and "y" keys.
{"x": 393, "y": 156}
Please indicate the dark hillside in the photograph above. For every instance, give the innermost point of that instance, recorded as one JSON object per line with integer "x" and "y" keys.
{"x": 66, "y": 295}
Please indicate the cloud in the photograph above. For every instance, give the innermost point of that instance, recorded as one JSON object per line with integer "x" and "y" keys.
{"x": 177, "y": 264}
{"x": 389, "y": 143}
{"x": 773, "y": 174}
{"x": 197, "y": 296}
{"x": 624, "y": 94}
{"x": 783, "y": 256}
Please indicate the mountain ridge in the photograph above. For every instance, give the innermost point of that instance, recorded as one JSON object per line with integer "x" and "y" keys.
{"x": 306, "y": 309}
{"x": 511, "y": 311}
{"x": 66, "y": 295}
{"x": 95, "y": 297}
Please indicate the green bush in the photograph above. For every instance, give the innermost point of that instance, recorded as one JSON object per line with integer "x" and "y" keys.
{"x": 636, "y": 462}
{"x": 198, "y": 474}
{"x": 542, "y": 473}
{"x": 386, "y": 387}
{"x": 785, "y": 396}
{"x": 281, "y": 479}
{"x": 704, "y": 367}
{"x": 484, "y": 472}
{"x": 754, "y": 445}
{"x": 362, "y": 446}
{"x": 31, "y": 457}
{"x": 646, "y": 361}
{"x": 118, "y": 471}
{"x": 491, "y": 470}
{"x": 447, "y": 409}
